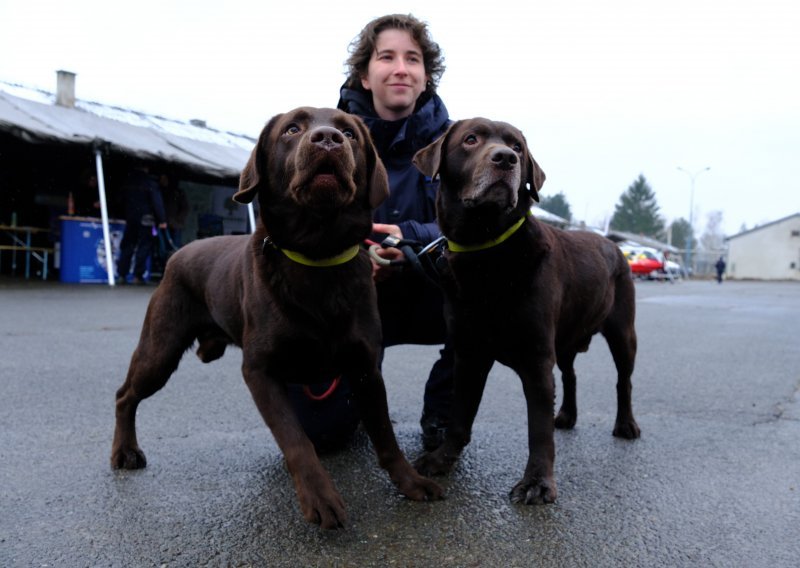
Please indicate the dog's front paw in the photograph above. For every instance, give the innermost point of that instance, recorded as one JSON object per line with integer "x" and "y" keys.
{"x": 534, "y": 491}
{"x": 437, "y": 462}
{"x": 127, "y": 458}
{"x": 419, "y": 488}
{"x": 323, "y": 506}
{"x": 628, "y": 429}
{"x": 565, "y": 420}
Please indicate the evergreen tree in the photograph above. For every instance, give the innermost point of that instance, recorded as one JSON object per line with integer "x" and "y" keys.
{"x": 557, "y": 205}
{"x": 681, "y": 231}
{"x": 637, "y": 211}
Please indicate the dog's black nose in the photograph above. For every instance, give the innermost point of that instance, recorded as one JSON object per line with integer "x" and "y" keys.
{"x": 504, "y": 158}
{"x": 327, "y": 137}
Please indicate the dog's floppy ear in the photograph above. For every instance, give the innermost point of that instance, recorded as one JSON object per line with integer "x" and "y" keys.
{"x": 429, "y": 159}
{"x": 254, "y": 173}
{"x": 378, "y": 179}
{"x": 535, "y": 178}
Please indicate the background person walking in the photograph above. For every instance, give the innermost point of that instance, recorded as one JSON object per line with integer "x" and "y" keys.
{"x": 720, "y": 266}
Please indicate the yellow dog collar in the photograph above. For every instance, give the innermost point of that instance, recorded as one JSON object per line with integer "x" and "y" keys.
{"x": 455, "y": 247}
{"x": 342, "y": 258}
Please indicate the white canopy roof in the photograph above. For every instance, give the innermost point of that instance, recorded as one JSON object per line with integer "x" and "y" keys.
{"x": 32, "y": 115}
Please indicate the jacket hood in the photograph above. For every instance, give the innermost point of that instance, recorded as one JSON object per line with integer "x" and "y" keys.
{"x": 430, "y": 118}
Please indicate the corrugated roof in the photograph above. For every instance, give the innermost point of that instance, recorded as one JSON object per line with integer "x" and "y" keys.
{"x": 621, "y": 236}
{"x": 32, "y": 115}
{"x": 548, "y": 217}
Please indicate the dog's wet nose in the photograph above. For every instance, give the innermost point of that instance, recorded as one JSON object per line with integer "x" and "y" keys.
{"x": 327, "y": 137}
{"x": 504, "y": 158}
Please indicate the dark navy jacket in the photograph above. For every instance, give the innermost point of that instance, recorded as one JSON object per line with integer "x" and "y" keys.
{"x": 411, "y": 204}
{"x": 143, "y": 198}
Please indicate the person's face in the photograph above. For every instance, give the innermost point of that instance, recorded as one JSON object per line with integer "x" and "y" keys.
{"x": 395, "y": 75}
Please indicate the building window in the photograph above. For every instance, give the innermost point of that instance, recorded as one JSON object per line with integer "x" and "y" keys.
{"x": 796, "y": 233}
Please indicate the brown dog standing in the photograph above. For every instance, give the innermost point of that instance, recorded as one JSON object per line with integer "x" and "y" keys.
{"x": 297, "y": 297}
{"x": 521, "y": 293}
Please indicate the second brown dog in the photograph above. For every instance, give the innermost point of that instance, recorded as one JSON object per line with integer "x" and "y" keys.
{"x": 522, "y": 293}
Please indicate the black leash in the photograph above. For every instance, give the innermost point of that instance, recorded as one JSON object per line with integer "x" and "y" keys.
{"x": 426, "y": 260}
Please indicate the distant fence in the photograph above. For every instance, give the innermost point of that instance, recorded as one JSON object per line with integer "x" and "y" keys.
{"x": 704, "y": 262}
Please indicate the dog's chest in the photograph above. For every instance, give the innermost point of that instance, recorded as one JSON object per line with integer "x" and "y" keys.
{"x": 497, "y": 304}
{"x": 308, "y": 357}
{"x": 317, "y": 332}
{"x": 489, "y": 285}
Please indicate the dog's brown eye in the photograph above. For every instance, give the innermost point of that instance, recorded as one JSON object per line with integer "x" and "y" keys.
{"x": 517, "y": 147}
{"x": 292, "y": 129}
{"x": 470, "y": 140}
{"x": 349, "y": 132}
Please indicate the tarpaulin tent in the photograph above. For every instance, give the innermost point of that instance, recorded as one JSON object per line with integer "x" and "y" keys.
{"x": 37, "y": 116}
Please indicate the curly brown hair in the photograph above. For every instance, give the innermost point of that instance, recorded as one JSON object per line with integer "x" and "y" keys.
{"x": 363, "y": 46}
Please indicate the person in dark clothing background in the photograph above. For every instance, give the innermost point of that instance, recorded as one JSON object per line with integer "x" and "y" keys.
{"x": 144, "y": 208}
{"x": 720, "y": 266}
{"x": 176, "y": 206}
{"x": 86, "y": 199}
{"x": 394, "y": 68}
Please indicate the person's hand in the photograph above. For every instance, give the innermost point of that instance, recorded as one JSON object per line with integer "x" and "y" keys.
{"x": 162, "y": 225}
{"x": 392, "y": 230}
{"x": 381, "y": 272}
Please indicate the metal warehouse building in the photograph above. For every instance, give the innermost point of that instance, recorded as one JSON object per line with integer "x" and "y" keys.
{"x": 768, "y": 252}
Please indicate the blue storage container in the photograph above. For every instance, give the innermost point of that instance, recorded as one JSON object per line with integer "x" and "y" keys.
{"x": 83, "y": 250}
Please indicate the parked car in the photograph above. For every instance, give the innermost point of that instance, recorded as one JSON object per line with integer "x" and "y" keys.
{"x": 644, "y": 261}
{"x": 674, "y": 269}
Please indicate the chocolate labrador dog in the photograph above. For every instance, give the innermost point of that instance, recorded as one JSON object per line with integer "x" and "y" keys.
{"x": 521, "y": 293}
{"x": 297, "y": 297}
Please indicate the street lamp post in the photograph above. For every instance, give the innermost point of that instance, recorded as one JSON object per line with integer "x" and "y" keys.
{"x": 692, "y": 176}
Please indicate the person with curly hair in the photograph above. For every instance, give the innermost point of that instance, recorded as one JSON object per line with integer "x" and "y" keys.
{"x": 393, "y": 71}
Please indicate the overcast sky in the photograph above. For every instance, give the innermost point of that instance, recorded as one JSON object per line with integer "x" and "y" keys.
{"x": 603, "y": 90}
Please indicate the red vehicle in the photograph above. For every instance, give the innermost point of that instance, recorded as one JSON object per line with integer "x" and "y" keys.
{"x": 643, "y": 261}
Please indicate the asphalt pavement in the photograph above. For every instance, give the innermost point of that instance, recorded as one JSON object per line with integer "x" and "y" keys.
{"x": 714, "y": 480}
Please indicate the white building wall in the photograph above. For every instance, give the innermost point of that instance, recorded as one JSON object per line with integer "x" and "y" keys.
{"x": 771, "y": 252}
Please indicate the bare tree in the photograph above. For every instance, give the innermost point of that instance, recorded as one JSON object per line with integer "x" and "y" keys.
{"x": 713, "y": 238}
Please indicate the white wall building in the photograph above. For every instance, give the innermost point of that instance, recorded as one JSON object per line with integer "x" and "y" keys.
{"x": 768, "y": 252}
